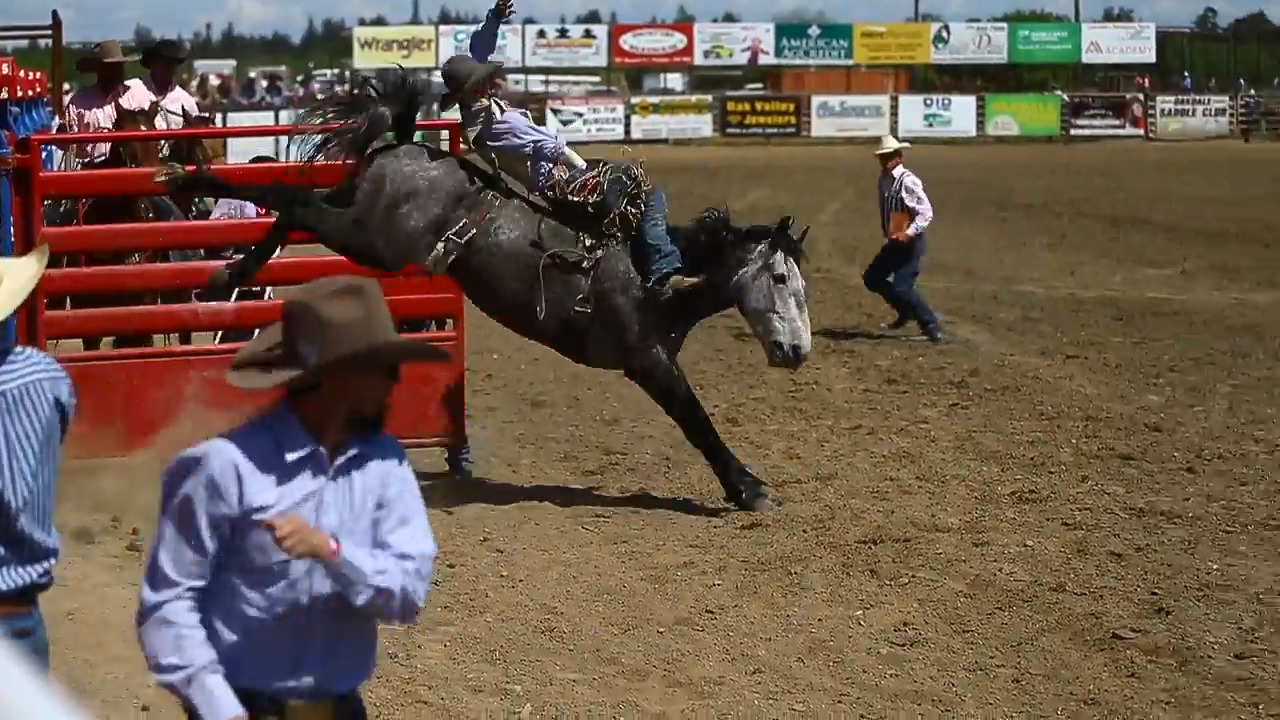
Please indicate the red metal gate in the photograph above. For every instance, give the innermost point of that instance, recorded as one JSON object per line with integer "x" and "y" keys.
{"x": 130, "y": 397}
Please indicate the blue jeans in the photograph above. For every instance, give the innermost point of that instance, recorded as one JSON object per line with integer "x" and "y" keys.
{"x": 892, "y": 275}
{"x": 27, "y": 630}
{"x": 653, "y": 254}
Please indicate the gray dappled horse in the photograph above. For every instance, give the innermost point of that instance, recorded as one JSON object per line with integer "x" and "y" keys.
{"x": 518, "y": 261}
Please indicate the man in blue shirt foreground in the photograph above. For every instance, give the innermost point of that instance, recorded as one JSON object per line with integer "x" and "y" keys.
{"x": 37, "y": 402}
{"x": 284, "y": 542}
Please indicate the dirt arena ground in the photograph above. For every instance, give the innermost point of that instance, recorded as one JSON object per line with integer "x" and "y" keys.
{"x": 1069, "y": 509}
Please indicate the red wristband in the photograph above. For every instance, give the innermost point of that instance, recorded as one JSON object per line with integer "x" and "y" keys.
{"x": 335, "y": 549}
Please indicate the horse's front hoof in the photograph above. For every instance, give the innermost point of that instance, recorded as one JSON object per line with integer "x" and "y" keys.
{"x": 761, "y": 504}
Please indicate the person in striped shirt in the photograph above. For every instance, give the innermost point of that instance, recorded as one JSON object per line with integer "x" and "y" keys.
{"x": 905, "y": 214}
{"x": 37, "y": 401}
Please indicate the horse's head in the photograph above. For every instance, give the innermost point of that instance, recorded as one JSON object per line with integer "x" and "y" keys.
{"x": 193, "y": 151}
{"x": 757, "y": 268}
{"x": 138, "y": 153}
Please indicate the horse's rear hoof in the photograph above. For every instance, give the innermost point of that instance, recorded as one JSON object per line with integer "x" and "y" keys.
{"x": 761, "y": 504}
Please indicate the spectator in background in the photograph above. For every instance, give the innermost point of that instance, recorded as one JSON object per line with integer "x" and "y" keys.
{"x": 1187, "y": 84}
{"x": 37, "y": 402}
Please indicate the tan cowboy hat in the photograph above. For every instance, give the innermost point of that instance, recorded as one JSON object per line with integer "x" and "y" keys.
{"x": 890, "y": 144}
{"x": 19, "y": 276}
{"x": 105, "y": 52}
{"x": 329, "y": 324}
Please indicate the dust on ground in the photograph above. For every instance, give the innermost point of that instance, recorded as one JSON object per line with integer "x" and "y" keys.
{"x": 1067, "y": 509}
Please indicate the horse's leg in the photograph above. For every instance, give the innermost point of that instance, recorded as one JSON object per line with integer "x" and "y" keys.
{"x": 661, "y": 379}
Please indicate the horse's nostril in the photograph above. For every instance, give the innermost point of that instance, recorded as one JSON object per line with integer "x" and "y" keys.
{"x": 796, "y": 352}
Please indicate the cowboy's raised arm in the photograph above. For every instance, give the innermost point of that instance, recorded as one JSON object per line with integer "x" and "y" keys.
{"x": 485, "y": 38}
{"x": 195, "y": 501}
{"x": 390, "y": 576}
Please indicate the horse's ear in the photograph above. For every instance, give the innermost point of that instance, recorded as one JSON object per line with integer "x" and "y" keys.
{"x": 784, "y": 225}
{"x": 803, "y": 234}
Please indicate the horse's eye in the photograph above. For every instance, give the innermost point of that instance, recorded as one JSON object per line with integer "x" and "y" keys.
{"x": 779, "y": 278}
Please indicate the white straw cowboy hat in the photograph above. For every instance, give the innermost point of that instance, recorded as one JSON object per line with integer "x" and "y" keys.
{"x": 889, "y": 144}
{"x": 18, "y": 277}
{"x": 333, "y": 323}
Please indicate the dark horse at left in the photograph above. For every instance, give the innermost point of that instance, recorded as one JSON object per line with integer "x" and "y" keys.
{"x": 406, "y": 204}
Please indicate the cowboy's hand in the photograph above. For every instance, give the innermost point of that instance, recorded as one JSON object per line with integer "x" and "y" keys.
{"x": 298, "y": 539}
{"x": 504, "y": 9}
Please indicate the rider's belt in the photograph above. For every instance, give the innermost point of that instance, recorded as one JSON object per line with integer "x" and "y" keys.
{"x": 264, "y": 706}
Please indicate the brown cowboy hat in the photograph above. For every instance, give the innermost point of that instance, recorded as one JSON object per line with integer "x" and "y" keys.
{"x": 105, "y": 52}
{"x": 462, "y": 73}
{"x": 164, "y": 49}
{"x": 330, "y": 324}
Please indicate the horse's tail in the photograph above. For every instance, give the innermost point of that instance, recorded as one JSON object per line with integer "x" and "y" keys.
{"x": 364, "y": 117}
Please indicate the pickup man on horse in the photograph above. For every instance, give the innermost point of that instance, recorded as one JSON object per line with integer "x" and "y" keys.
{"x": 538, "y": 158}
{"x": 92, "y": 108}
{"x": 162, "y": 60}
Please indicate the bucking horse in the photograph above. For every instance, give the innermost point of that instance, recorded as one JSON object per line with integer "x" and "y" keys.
{"x": 522, "y": 263}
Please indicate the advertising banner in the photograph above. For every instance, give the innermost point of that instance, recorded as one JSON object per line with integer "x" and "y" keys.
{"x": 588, "y": 119}
{"x": 1098, "y": 114}
{"x": 566, "y": 46}
{"x": 456, "y": 40}
{"x": 652, "y": 44}
{"x": 813, "y": 44}
{"x": 374, "y": 47}
{"x": 1181, "y": 117}
{"x": 1023, "y": 115}
{"x": 969, "y": 43}
{"x": 734, "y": 44}
{"x": 892, "y": 43}
{"x": 1044, "y": 43}
{"x": 671, "y": 117}
{"x": 849, "y": 115}
{"x": 759, "y": 115}
{"x": 937, "y": 116}
{"x": 1118, "y": 43}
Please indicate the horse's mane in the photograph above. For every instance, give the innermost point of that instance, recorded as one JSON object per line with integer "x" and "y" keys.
{"x": 364, "y": 117}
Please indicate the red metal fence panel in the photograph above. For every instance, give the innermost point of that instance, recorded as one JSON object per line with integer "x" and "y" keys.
{"x": 130, "y": 397}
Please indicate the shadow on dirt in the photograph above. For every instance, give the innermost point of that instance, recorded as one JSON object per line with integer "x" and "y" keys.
{"x": 443, "y": 491}
{"x": 845, "y": 334}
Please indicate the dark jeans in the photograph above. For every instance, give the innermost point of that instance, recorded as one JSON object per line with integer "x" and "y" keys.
{"x": 263, "y": 707}
{"x": 28, "y": 631}
{"x": 653, "y": 254}
{"x": 892, "y": 275}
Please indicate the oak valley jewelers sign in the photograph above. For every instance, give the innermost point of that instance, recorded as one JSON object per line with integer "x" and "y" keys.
{"x": 652, "y": 44}
{"x": 969, "y": 43}
{"x": 849, "y": 115}
{"x": 1118, "y": 43}
{"x": 671, "y": 117}
{"x": 759, "y": 115}
{"x": 374, "y": 47}
{"x": 1044, "y": 43}
{"x": 588, "y": 119}
{"x": 456, "y": 40}
{"x": 566, "y": 46}
{"x": 1023, "y": 115}
{"x": 734, "y": 44}
{"x": 937, "y": 116}
{"x": 1181, "y": 117}
{"x": 813, "y": 44}
{"x": 1106, "y": 115}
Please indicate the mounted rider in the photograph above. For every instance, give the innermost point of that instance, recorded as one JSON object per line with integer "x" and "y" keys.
{"x": 92, "y": 108}
{"x": 538, "y": 158}
{"x": 161, "y": 60}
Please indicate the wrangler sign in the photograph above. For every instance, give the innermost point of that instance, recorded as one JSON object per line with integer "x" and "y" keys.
{"x": 759, "y": 115}
{"x": 1193, "y": 116}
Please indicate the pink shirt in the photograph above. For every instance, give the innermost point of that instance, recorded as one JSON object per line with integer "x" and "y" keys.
{"x": 91, "y": 110}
